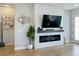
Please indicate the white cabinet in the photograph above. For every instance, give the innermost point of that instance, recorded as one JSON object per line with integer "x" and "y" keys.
{"x": 51, "y": 43}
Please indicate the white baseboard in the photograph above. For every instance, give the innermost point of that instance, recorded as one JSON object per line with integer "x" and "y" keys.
{"x": 20, "y": 48}
{"x": 67, "y": 41}
{"x": 9, "y": 43}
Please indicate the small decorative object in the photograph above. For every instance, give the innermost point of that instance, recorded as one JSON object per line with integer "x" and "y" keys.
{"x": 31, "y": 34}
{"x": 23, "y": 19}
{"x": 8, "y": 21}
{"x": 61, "y": 28}
{"x": 39, "y": 29}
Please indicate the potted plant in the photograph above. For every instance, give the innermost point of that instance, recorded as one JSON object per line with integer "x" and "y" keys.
{"x": 31, "y": 34}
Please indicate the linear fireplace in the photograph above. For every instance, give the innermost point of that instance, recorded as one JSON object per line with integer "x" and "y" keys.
{"x": 49, "y": 38}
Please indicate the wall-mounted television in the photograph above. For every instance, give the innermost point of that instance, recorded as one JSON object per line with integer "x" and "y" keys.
{"x": 51, "y": 21}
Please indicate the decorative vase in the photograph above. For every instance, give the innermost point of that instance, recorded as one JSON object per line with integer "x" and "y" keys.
{"x": 30, "y": 46}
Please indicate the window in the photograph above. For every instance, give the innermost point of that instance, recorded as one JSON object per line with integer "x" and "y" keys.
{"x": 76, "y": 28}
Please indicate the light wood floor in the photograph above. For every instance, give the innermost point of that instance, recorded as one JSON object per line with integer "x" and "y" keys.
{"x": 61, "y": 50}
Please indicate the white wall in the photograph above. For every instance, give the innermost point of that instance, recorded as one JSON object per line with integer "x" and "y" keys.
{"x": 40, "y": 10}
{"x": 67, "y": 25}
{"x": 8, "y": 36}
{"x": 36, "y": 13}
{"x": 7, "y": 10}
{"x": 21, "y": 40}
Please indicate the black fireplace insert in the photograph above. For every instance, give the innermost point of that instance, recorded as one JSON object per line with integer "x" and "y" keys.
{"x": 49, "y": 38}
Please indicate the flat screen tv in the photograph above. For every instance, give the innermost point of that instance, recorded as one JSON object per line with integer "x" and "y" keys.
{"x": 51, "y": 21}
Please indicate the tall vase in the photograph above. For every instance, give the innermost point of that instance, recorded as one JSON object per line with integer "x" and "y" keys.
{"x": 30, "y": 45}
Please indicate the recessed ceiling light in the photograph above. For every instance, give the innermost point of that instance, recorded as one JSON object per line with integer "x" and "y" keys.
{"x": 76, "y": 5}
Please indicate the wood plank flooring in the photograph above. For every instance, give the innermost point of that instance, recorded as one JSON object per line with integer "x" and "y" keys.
{"x": 61, "y": 50}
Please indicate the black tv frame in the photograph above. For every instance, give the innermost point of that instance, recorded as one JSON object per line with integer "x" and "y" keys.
{"x": 43, "y": 23}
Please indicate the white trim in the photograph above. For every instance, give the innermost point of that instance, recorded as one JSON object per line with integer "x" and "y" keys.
{"x": 67, "y": 41}
{"x": 9, "y": 43}
{"x": 20, "y": 48}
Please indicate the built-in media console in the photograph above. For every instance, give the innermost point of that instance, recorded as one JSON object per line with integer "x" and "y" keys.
{"x": 50, "y": 33}
{"x": 48, "y": 38}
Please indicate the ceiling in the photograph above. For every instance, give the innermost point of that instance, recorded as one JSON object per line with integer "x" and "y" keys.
{"x": 66, "y": 6}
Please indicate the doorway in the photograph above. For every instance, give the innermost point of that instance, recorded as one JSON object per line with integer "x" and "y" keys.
{"x": 7, "y": 12}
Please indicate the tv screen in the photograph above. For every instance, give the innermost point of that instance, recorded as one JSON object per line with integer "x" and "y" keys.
{"x": 51, "y": 21}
